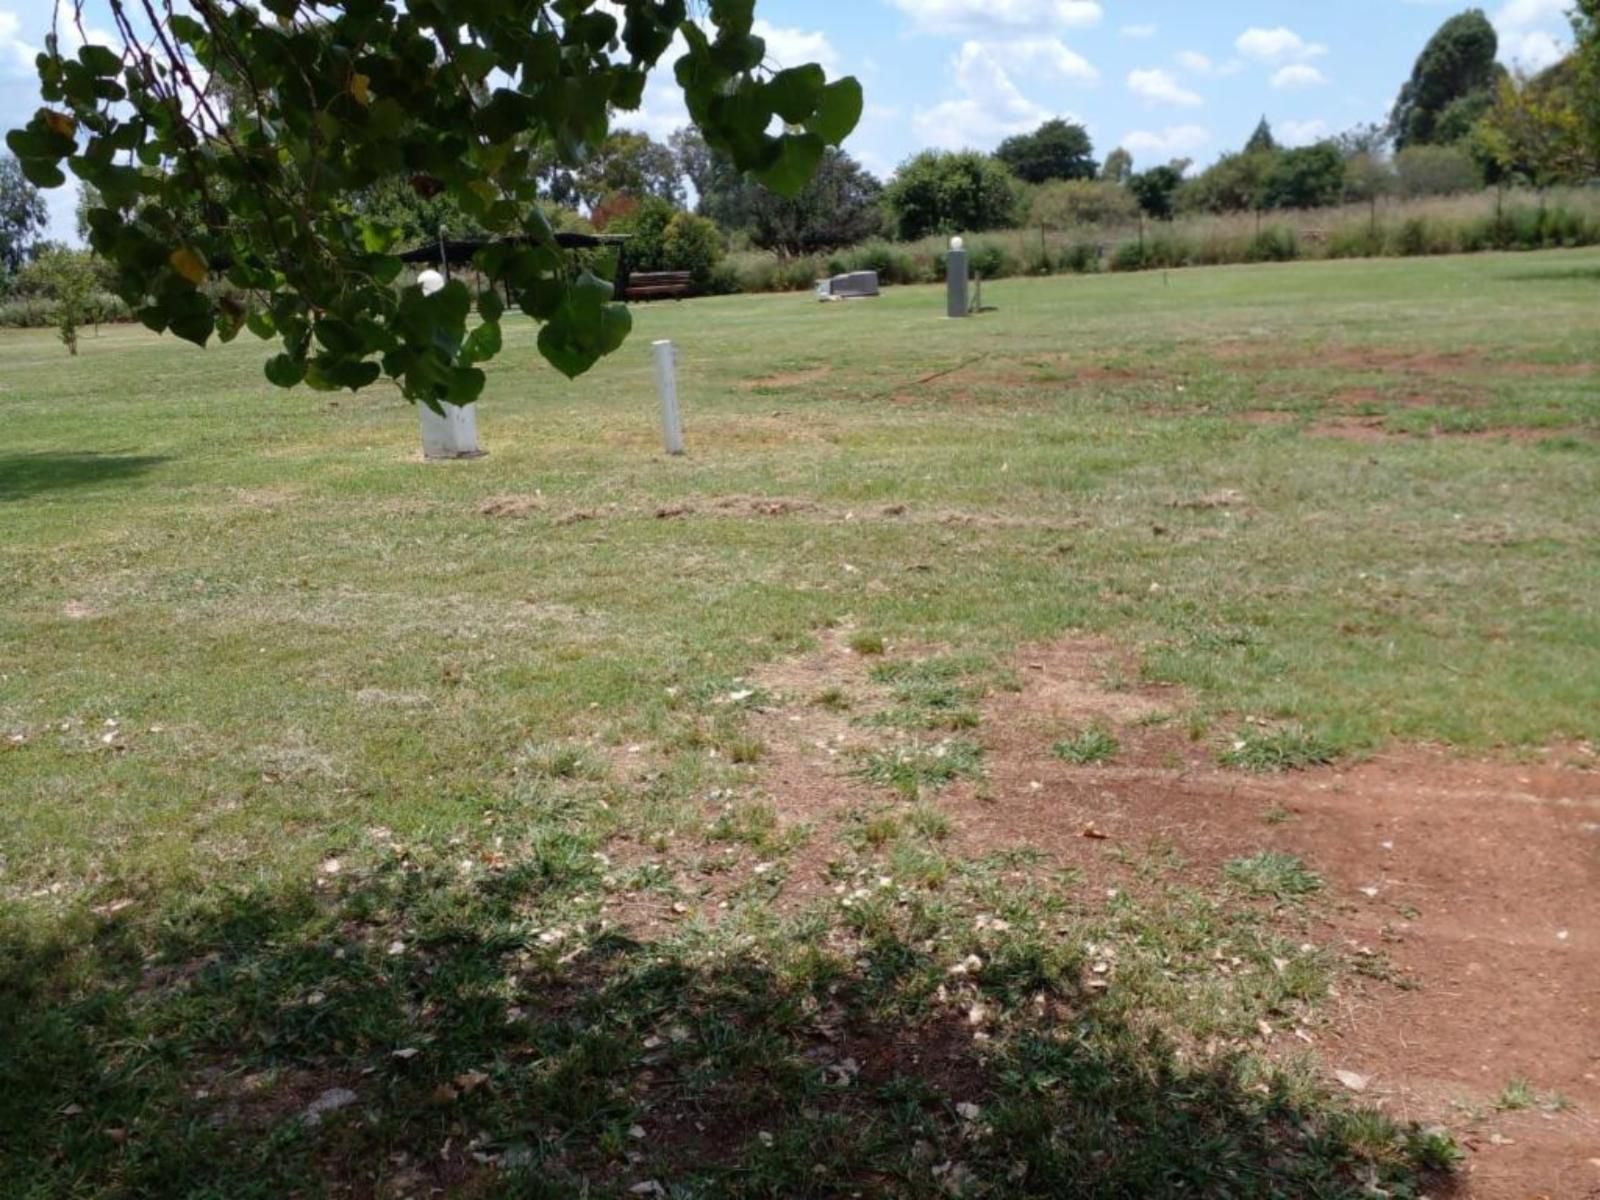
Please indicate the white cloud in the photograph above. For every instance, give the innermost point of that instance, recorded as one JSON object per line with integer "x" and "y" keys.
{"x": 16, "y": 56}
{"x": 1175, "y": 141}
{"x": 1156, "y": 86}
{"x": 1521, "y": 14}
{"x": 1298, "y": 75}
{"x": 1533, "y": 51}
{"x": 1200, "y": 64}
{"x": 1534, "y": 34}
{"x": 980, "y": 18}
{"x": 791, "y": 47}
{"x": 1139, "y": 31}
{"x": 1047, "y": 57}
{"x": 1276, "y": 45}
{"x": 991, "y": 106}
{"x": 1302, "y": 133}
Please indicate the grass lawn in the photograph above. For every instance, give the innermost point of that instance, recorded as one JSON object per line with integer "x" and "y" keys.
{"x": 325, "y": 772}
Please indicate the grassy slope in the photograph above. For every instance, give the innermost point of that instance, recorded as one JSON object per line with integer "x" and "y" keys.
{"x": 304, "y": 634}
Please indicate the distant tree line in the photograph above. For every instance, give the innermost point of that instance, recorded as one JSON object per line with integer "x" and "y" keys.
{"x": 1461, "y": 122}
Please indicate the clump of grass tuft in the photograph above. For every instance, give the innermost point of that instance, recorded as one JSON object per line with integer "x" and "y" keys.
{"x": 561, "y": 762}
{"x": 834, "y": 699}
{"x": 1292, "y": 748}
{"x": 933, "y": 693}
{"x": 910, "y": 769}
{"x": 1274, "y": 873}
{"x": 744, "y": 750}
{"x": 1516, "y": 1096}
{"x": 1087, "y": 746}
{"x": 1519, "y": 1094}
{"x": 868, "y": 644}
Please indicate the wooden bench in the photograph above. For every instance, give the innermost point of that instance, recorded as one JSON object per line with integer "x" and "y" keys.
{"x": 658, "y": 285}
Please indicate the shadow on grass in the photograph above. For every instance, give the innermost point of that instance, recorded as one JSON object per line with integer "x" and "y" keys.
{"x": 1555, "y": 275}
{"x": 177, "y": 1053}
{"x": 23, "y": 476}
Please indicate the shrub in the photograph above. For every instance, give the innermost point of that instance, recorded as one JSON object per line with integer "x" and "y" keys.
{"x": 1276, "y": 243}
{"x": 1130, "y": 256}
{"x": 1081, "y": 258}
{"x": 894, "y": 264}
{"x": 693, "y": 244}
{"x": 1355, "y": 239}
{"x": 1080, "y": 202}
{"x": 990, "y": 259}
{"x": 1436, "y": 171}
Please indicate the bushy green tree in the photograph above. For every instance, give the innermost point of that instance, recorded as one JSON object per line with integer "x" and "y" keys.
{"x": 1305, "y": 177}
{"x": 1118, "y": 166}
{"x": 1261, "y": 141}
{"x": 1535, "y": 131}
{"x": 67, "y": 278}
{"x": 941, "y": 191}
{"x": 1234, "y": 183}
{"x": 663, "y": 238}
{"x": 1156, "y": 191}
{"x": 1451, "y": 85}
{"x": 1056, "y": 150}
{"x": 22, "y": 216}
{"x": 1586, "y": 59}
{"x": 626, "y": 162}
{"x": 842, "y": 205}
{"x": 325, "y": 101}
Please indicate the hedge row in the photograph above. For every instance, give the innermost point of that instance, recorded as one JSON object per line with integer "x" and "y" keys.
{"x": 997, "y": 256}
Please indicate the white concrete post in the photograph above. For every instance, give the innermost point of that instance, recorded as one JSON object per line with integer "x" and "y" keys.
{"x": 667, "y": 389}
{"x": 455, "y": 433}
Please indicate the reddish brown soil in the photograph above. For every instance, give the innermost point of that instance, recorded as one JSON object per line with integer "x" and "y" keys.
{"x": 1472, "y": 883}
{"x": 788, "y": 379}
{"x": 1263, "y": 356}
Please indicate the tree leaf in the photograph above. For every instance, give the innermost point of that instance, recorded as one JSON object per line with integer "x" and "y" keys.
{"x": 794, "y": 93}
{"x": 797, "y": 161}
{"x": 189, "y": 265}
{"x": 838, "y": 110}
{"x": 283, "y": 371}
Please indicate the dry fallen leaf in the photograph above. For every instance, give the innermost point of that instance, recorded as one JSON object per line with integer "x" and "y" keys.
{"x": 1356, "y": 1083}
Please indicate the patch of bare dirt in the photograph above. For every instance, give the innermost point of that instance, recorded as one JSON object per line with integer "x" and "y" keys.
{"x": 1264, "y": 356}
{"x": 1267, "y": 416}
{"x": 1353, "y": 429}
{"x": 1375, "y": 429}
{"x": 787, "y": 379}
{"x": 1470, "y": 882}
{"x": 515, "y": 507}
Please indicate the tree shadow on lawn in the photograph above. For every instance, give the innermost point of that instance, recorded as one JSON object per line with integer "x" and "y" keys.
{"x": 1555, "y": 275}
{"x": 25, "y": 475}
{"x": 179, "y": 1054}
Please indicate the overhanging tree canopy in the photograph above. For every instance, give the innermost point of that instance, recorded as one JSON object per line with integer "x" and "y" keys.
{"x": 269, "y": 123}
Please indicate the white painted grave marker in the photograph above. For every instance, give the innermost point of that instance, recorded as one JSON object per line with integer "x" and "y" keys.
{"x": 667, "y": 389}
{"x": 453, "y": 434}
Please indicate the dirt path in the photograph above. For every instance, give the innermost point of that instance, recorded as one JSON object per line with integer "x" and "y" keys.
{"x": 1470, "y": 887}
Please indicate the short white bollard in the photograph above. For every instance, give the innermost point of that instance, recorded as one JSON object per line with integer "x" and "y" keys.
{"x": 667, "y": 389}
{"x": 454, "y": 433}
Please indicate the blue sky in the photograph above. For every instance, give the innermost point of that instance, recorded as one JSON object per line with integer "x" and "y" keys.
{"x": 1164, "y": 78}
